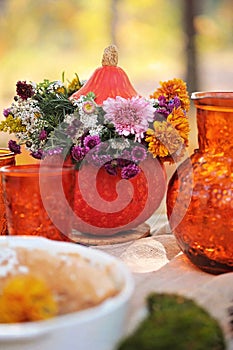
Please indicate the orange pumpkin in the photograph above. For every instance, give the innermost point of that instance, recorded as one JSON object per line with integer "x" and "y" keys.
{"x": 101, "y": 205}
{"x": 108, "y": 80}
{"x": 104, "y": 208}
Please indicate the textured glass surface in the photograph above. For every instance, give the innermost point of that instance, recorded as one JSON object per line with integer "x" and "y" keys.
{"x": 35, "y": 205}
{"x": 6, "y": 158}
{"x": 200, "y": 193}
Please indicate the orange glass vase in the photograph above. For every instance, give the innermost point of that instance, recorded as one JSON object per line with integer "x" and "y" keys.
{"x": 106, "y": 204}
{"x": 200, "y": 193}
{"x": 6, "y": 158}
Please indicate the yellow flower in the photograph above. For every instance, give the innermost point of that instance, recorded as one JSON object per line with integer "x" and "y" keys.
{"x": 12, "y": 125}
{"x": 169, "y": 138}
{"x": 60, "y": 90}
{"x": 155, "y": 147}
{"x": 26, "y": 298}
{"x": 74, "y": 85}
{"x": 164, "y": 140}
{"x": 172, "y": 88}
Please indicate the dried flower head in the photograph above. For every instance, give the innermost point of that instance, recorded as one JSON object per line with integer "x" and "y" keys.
{"x": 14, "y": 147}
{"x": 26, "y": 298}
{"x": 24, "y": 90}
{"x": 164, "y": 139}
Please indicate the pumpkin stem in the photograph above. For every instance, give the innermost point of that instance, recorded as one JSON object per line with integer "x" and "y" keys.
{"x": 110, "y": 56}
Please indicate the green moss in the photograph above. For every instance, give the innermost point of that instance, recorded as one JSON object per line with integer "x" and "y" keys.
{"x": 175, "y": 323}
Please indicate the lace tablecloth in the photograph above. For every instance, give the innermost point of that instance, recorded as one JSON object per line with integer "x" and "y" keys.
{"x": 158, "y": 266}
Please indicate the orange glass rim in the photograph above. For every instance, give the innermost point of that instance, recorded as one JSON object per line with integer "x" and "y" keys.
{"x": 31, "y": 170}
{"x": 217, "y": 100}
{"x": 6, "y": 153}
{"x": 212, "y": 94}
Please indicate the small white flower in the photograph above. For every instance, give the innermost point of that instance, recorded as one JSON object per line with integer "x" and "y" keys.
{"x": 119, "y": 144}
{"x": 55, "y": 85}
{"x": 96, "y": 131}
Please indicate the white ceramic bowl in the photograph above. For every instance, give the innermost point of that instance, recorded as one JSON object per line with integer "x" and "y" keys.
{"x": 96, "y": 328}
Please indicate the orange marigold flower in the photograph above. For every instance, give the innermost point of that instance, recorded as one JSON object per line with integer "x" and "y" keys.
{"x": 26, "y": 298}
{"x": 172, "y": 88}
{"x": 155, "y": 147}
{"x": 180, "y": 122}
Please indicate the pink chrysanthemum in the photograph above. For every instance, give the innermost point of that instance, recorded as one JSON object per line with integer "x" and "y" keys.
{"x": 129, "y": 116}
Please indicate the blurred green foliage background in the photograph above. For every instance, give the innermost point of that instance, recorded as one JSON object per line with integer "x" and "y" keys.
{"x": 41, "y": 39}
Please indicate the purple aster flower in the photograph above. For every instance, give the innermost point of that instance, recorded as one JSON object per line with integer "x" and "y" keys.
{"x": 173, "y": 103}
{"x": 83, "y": 136}
{"x": 77, "y": 153}
{"x": 43, "y": 135}
{"x": 6, "y": 112}
{"x": 162, "y": 101}
{"x": 129, "y": 171}
{"x": 138, "y": 154}
{"x": 91, "y": 141}
{"x": 37, "y": 154}
{"x": 24, "y": 90}
{"x": 163, "y": 111}
{"x": 126, "y": 155}
{"x": 14, "y": 147}
{"x": 177, "y": 102}
{"x": 129, "y": 116}
{"x": 165, "y": 107}
{"x": 111, "y": 167}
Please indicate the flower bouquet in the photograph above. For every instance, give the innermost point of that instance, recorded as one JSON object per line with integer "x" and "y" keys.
{"x": 110, "y": 133}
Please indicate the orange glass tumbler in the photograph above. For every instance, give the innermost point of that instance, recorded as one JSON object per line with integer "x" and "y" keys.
{"x": 6, "y": 158}
{"x": 39, "y": 200}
